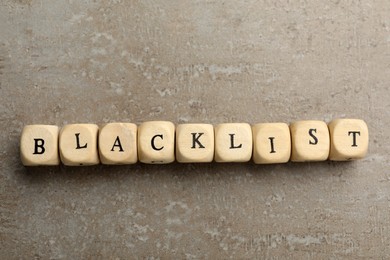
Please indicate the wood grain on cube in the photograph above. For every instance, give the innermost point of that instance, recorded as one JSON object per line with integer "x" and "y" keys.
{"x": 271, "y": 143}
{"x": 233, "y": 142}
{"x": 194, "y": 143}
{"x": 78, "y": 144}
{"x": 349, "y": 139}
{"x": 156, "y": 142}
{"x": 39, "y": 145}
{"x": 118, "y": 143}
{"x": 310, "y": 141}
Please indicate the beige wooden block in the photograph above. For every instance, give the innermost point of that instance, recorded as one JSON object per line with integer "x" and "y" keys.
{"x": 118, "y": 143}
{"x": 156, "y": 142}
{"x": 271, "y": 143}
{"x": 39, "y": 145}
{"x": 78, "y": 144}
{"x": 233, "y": 142}
{"x": 310, "y": 141}
{"x": 349, "y": 139}
{"x": 194, "y": 143}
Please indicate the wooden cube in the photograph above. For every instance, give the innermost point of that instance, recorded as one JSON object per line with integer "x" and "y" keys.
{"x": 349, "y": 139}
{"x": 310, "y": 141}
{"x": 194, "y": 143}
{"x": 271, "y": 143}
{"x": 78, "y": 144}
{"x": 118, "y": 143}
{"x": 39, "y": 145}
{"x": 233, "y": 142}
{"x": 156, "y": 142}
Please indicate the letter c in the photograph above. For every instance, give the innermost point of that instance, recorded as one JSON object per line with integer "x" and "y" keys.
{"x": 152, "y": 142}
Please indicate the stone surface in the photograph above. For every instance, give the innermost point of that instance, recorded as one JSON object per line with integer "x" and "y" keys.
{"x": 185, "y": 61}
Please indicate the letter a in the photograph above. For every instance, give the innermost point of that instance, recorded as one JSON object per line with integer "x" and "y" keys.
{"x": 117, "y": 143}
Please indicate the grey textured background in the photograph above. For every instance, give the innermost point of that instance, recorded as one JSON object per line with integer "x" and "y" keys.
{"x": 195, "y": 61}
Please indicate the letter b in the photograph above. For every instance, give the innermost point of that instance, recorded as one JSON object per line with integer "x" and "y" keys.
{"x": 39, "y": 146}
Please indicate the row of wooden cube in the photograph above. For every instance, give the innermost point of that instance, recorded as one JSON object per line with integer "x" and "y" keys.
{"x": 159, "y": 142}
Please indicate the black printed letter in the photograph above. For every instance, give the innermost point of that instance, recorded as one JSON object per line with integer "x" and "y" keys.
{"x": 40, "y": 145}
{"x": 271, "y": 140}
{"x": 312, "y": 135}
{"x": 78, "y": 142}
{"x": 354, "y": 137}
{"x": 152, "y": 142}
{"x": 118, "y": 144}
{"x": 232, "y": 142}
{"x": 195, "y": 140}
